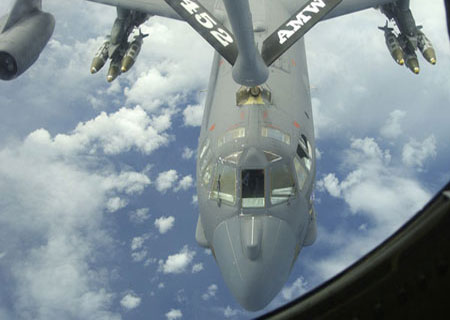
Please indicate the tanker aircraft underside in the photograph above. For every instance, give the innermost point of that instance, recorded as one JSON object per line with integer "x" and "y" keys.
{"x": 256, "y": 153}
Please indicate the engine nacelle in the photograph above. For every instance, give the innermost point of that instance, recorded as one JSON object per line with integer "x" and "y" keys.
{"x": 22, "y": 43}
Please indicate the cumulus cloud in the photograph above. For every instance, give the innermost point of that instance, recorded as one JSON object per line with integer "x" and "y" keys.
{"x": 140, "y": 215}
{"x": 130, "y": 301}
{"x": 115, "y": 204}
{"x": 195, "y": 268}
{"x": 318, "y": 154}
{"x": 392, "y": 128}
{"x": 58, "y": 189}
{"x": 210, "y": 292}
{"x": 139, "y": 256}
{"x": 194, "y": 199}
{"x": 296, "y": 289}
{"x": 375, "y": 189}
{"x": 416, "y": 153}
{"x": 114, "y": 133}
{"x": 164, "y": 224}
{"x": 187, "y": 153}
{"x": 174, "y": 314}
{"x": 185, "y": 183}
{"x": 137, "y": 243}
{"x": 129, "y": 182}
{"x": 193, "y": 115}
{"x": 177, "y": 263}
{"x": 59, "y": 207}
{"x": 166, "y": 180}
{"x": 228, "y": 312}
{"x": 169, "y": 68}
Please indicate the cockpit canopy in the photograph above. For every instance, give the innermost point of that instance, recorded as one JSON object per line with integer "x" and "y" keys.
{"x": 275, "y": 183}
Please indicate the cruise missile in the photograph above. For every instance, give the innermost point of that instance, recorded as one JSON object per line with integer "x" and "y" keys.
{"x": 393, "y": 44}
{"x": 100, "y": 57}
{"x": 114, "y": 68}
{"x": 132, "y": 53}
{"x": 411, "y": 61}
{"x": 426, "y": 47}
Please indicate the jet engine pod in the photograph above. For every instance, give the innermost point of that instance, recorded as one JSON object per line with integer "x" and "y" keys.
{"x": 21, "y": 44}
{"x": 8, "y": 66}
{"x": 254, "y": 254}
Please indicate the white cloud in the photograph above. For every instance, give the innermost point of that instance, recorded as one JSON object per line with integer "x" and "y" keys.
{"x": 195, "y": 268}
{"x": 139, "y": 256}
{"x": 318, "y": 154}
{"x": 193, "y": 115}
{"x": 331, "y": 184}
{"x": 140, "y": 215}
{"x": 296, "y": 289}
{"x": 115, "y": 204}
{"x": 161, "y": 285}
{"x": 322, "y": 122}
{"x": 210, "y": 292}
{"x": 384, "y": 195}
{"x": 58, "y": 202}
{"x": 416, "y": 153}
{"x": 137, "y": 243}
{"x": 130, "y": 301}
{"x": 194, "y": 199}
{"x": 174, "y": 314}
{"x": 185, "y": 183}
{"x": 228, "y": 312}
{"x": 164, "y": 224}
{"x": 178, "y": 262}
{"x": 166, "y": 180}
{"x": 163, "y": 122}
{"x": 181, "y": 296}
{"x": 392, "y": 128}
{"x": 164, "y": 71}
{"x": 187, "y": 153}
{"x": 129, "y": 182}
{"x": 115, "y": 133}
{"x": 374, "y": 188}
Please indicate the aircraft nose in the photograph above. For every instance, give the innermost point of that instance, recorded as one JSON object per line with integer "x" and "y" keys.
{"x": 254, "y": 254}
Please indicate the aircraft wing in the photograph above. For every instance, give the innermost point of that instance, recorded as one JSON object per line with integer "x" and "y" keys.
{"x": 345, "y": 7}
{"x": 152, "y": 7}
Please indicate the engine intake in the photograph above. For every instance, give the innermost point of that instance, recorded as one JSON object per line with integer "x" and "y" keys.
{"x": 22, "y": 43}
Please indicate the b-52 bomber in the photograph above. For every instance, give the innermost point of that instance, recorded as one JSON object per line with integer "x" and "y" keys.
{"x": 256, "y": 157}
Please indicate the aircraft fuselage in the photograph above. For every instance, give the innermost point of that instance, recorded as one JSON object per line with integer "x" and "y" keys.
{"x": 255, "y": 173}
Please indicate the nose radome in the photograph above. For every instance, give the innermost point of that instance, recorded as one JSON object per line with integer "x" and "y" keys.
{"x": 254, "y": 255}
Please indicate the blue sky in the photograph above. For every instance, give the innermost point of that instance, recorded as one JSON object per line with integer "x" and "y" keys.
{"x": 98, "y": 212}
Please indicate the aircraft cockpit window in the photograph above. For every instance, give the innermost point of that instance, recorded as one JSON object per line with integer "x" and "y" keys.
{"x": 282, "y": 185}
{"x": 253, "y": 188}
{"x": 304, "y": 152}
{"x": 271, "y": 157}
{"x": 224, "y": 186}
{"x": 206, "y": 177}
{"x": 301, "y": 173}
{"x": 234, "y": 157}
{"x": 231, "y": 135}
{"x": 205, "y": 147}
{"x": 275, "y": 134}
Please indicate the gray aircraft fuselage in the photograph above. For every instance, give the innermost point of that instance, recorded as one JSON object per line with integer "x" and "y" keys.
{"x": 256, "y": 169}
{"x": 256, "y": 155}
